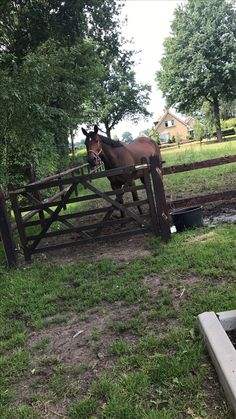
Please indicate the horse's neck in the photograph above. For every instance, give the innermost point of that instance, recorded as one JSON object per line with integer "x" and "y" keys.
{"x": 108, "y": 156}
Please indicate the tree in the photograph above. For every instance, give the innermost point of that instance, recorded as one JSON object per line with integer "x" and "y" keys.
{"x": 49, "y": 66}
{"x": 198, "y": 129}
{"x": 152, "y": 133}
{"x": 228, "y": 109}
{"x": 127, "y": 137}
{"x": 199, "y": 62}
{"x": 119, "y": 96}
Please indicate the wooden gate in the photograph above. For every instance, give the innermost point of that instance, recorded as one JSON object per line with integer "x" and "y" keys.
{"x": 52, "y": 221}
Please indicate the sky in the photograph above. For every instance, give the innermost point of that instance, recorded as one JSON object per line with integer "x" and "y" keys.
{"x": 148, "y": 24}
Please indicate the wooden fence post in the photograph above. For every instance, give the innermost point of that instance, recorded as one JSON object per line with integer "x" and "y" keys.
{"x": 19, "y": 221}
{"x": 150, "y": 197}
{"x": 37, "y": 194}
{"x": 61, "y": 188}
{"x": 6, "y": 232}
{"x": 159, "y": 192}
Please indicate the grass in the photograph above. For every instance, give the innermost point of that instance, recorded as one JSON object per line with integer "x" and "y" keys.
{"x": 202, "y": 180}
{"x": 188, "y": 153}
{"x": 152, "y": 361}
{"x": 160, "y": 372}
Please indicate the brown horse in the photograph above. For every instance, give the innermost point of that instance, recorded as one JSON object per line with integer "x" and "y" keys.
{"x": 117, "y": 154}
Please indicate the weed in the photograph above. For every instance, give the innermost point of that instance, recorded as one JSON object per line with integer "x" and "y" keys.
{"x": 119, "y": 347}
{"x": 83, "y": 409}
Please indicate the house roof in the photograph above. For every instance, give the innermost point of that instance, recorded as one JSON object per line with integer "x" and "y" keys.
{"x": 188, "y": 119}
{"x": 171, "y": 114}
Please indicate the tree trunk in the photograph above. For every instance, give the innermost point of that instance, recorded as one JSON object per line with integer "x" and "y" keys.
{"x": 217, "y": 118}
{"x": 108, "y": 130}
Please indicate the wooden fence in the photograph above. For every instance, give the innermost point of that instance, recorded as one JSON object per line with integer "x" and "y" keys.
{"x": 70, "y": 185}
{"x": 37, "y": 235}
{"x": 206, "y": 198}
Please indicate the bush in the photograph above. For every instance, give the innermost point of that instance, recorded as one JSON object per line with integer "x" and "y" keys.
{"x": 225, "y": 132}
{"x": 229, "y": 123}
{"x": 171, "y": 140}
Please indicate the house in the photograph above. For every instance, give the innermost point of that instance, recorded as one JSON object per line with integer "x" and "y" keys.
{"x": 171, "y": 127}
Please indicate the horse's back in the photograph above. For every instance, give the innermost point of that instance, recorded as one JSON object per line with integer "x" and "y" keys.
{"x": 143, "y": 147}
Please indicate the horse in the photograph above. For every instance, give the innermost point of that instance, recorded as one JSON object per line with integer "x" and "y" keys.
{"x": 116, "y": 154}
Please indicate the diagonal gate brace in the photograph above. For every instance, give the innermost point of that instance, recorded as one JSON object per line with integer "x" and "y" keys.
{"x": 54, "y": 216}
{"x": 116, "y": 204}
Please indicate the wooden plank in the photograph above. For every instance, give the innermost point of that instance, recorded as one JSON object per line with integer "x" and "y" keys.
{"x": 73, "y": 215}
{"x": 48, "y": 210}
{"x": 61, "y": 188}
{"x": 115, "y": 203}
{"x": 199, "y": 165}
{"x": 37, "y": 194}
{"x": 53, "y": 218}
{"x": 202, "y": 199}
{"x": 160, "y": 199}
{"x": 6, "y": 232}
{"x": 60, "y": 174}
{"x": 153, "y": 213}
{"x": 48, "y": 203}
{"x": 87, "y": 227}
{"x": 80, "y": 214}
{"x": 19, "y": 222}
{"x": 38, "y": 205}
{"x": 24, "y": 218}
{"x": 78, "y": 179}
{"x": 85, "y": 241}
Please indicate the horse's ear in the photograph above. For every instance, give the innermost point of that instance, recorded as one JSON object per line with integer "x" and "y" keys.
{"x": 84, "y": 132}
{"x": 95, "y": 129}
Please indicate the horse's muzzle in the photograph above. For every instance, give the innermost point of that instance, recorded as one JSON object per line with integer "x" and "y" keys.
{"x": 92, "y": 160}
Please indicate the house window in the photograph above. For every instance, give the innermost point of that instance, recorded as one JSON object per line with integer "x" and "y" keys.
{"x": 170, "y": 123}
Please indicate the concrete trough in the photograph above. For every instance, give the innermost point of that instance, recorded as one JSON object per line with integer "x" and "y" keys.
{"x": 223, "y": 354}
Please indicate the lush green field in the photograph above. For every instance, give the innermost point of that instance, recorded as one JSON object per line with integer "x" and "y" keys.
{"x": 109, "y": 339}
{"x": 188, "y": 153}
{"x": 203, "y": 180}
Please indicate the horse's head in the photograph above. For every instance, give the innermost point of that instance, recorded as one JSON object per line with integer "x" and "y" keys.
{"x": 93, "y": 145}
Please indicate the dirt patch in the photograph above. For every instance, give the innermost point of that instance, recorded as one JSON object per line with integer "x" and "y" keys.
{"x": 121, "y": 250}
{"x": 81, "y": 346}
{"x": 153, "y": 282}
{"x": 177, "y": 292}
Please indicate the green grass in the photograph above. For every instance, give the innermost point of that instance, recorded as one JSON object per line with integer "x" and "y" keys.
{"x": 159, "y": 364}
{"x": 155, "y": 363}
{"x": 202, "y": 180}
{"x": 188, "y": 153}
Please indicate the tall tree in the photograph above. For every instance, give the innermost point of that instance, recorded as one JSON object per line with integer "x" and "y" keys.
{"x": 119, "y": 96}
{"x": 127, "y": 137}
{"x": 49, "y": 66}
{"x": 199, "y": 62}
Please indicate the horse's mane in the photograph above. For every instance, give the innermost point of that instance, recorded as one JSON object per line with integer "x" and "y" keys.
{"x": 109, "y": 141}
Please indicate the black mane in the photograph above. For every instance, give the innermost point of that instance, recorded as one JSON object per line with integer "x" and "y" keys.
{"x": 109, "y": 141}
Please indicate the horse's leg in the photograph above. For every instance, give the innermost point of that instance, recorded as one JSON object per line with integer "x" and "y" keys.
{"x": 135, "y": 196}
{"x": 119, "y": 196}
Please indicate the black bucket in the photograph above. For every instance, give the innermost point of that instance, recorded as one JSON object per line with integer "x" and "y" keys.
{"x": 187, "y": 218}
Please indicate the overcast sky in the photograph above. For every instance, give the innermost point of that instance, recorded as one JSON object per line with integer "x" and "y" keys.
{"x": 148, "y": 24}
